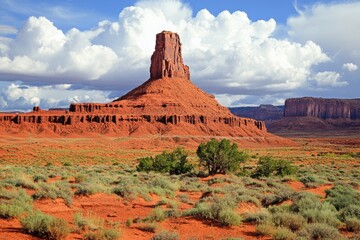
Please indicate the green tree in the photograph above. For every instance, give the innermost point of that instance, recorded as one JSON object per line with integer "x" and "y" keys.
{"x": 175, "y": 162}
{"x": 268, "y": 166}
{"x": 220, "y": 156}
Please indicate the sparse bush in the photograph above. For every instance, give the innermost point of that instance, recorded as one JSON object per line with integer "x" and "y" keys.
{"x": 173, "y": 163}
{"x": 353, "y": 224}
{"x": 261, "y": 216}
{"x": 342, "y": 196}
{"x": 40, "y": 178}
{"x": 45, "y": 226}
{"x": 292, "y": 221}
{"x": 8, "y": 211}
{"x": 351, "y": 211}
{"x": 283, "y": 234}
{"x": 268, "y": 166}
{"x": 320, "y": 231}
{"x": 219, "y": 210}
{"x": 220, "y": 156}
{"x": 166, "y": 235}
{"x": 149, "y": 227}
{"x": 157, "y": 214}
{"x": 265, "y": 229}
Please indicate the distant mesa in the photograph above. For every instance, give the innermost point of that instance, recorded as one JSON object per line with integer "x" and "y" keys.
{"x": 167, "y": 104}
{"x": 307, "y": 113}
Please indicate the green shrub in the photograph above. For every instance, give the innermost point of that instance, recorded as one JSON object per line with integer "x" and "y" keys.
{"x": 351, "y": 211}
{"x": 220, "y": 156}
{"x": 103, "y": 234}
{"x": 45, "y": 226}
{"x": 283, "y": 234}
{"x": 319, "y": 231}
{"x": 342, "y": 196}
{"x": 8, "y": 211}
{"x": 157, "y": 214}
{"x": 14, "y": 203}
{"x": 40, "y": 178}
{"x": 265, "y": 229}
{"x": 292, "y": 221}
{"x": 166, "y": 235}
{"x": 353, "y": 224}
{"x": 220, "y": 210}
{"x": 173, "y": 163}
{"x": 268, "y": 166}
{"x": 261, "y": 216}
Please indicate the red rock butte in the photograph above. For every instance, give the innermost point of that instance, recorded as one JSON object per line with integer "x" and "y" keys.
{"x": 167, "y": 104}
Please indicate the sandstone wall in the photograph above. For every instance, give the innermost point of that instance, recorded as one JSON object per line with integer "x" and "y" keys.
{"x": 323, "y": 108}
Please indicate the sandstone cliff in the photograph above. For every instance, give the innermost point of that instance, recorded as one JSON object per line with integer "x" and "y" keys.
{"x": 167, "y": 104}
{"x": 323, "y": 108}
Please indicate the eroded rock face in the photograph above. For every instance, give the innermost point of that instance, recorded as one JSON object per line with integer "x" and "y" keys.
{"x": 167, "y": 104}
{"x": 323, "y": 108}
{"x": 166, "y": 61}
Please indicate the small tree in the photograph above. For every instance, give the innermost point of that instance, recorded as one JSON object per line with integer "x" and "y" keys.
{"x": 220, "y": 156}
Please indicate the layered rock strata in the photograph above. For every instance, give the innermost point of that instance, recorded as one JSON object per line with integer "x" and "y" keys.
{"x": 323, "y": 108}
{"x": 168, "y": 103}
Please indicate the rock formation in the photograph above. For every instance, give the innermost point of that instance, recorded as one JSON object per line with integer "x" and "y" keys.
{"x": 167, "y": 104}
{"x": 309, "y": 113}
{"x": 167, "y": 60}
{"x": 323, "y": 108}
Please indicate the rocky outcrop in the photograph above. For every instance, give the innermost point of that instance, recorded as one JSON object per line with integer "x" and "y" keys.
{"x": 167, "y": 104}
{"x": 323, "y": 108}
{"x": 166, "y": 61}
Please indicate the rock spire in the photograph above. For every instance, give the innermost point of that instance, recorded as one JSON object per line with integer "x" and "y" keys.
{"x": 166, "y": 61}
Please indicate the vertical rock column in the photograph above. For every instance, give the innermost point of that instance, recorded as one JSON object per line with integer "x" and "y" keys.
{"x": 166, "y": 61}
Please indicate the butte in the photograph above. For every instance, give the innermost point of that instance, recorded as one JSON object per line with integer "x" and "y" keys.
{"x": 166, "y": 104}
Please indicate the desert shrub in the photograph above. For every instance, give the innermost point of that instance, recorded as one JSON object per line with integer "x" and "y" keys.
{"x": 220, "y": 156}
{"x": 292, "y": 221}
{"x": 148, "y": 227}
{"x": 14, "y": 203}
{"x": 351, "y": 211}
{"x": 94, "y": 227}
{"x": 166, "y": 235}
{"x": 268, "y": 166}
{"x": 310, "y": 180}
{"x": 40, "y": 178}
{"x": 342, "y": 196}
{"x": 319, "y": 231}
{"x": 157, "y": 214}
{"x": 173, "y": 163}
{"x": 283, "y": 234}
{"x": 53, "y": 191}
{"x": 45, "y": 226}
{"x": 220, "y": 210}
{"x": 352, "y": 224}
{"x": 103, "y": 234}
{"x": 265, "y": 229}
{"x": 261, "y": 216}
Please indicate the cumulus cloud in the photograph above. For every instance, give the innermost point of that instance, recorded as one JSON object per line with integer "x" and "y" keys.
{"x": 328, "y": 78}
{"x": 333, "y": 26}
{"x": 227, "y": 53}
{"x": 350, "y": 67}
{"x": 17, "y": 96}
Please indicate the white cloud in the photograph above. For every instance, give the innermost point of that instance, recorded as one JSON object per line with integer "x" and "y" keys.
{"x": 23, "y": 97}
{"x": 350, "y": 67}
{"x": 323, "y": 79}
{"x": 333, "y": 26}
{"x": 227, "y": 53}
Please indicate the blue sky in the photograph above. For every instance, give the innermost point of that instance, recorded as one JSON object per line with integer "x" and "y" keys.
{"x": 246, "y": 52}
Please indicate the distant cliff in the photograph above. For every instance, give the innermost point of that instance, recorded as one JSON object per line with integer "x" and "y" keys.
{"x": 323, "y": 108}
{"x": 265, "y": 112}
